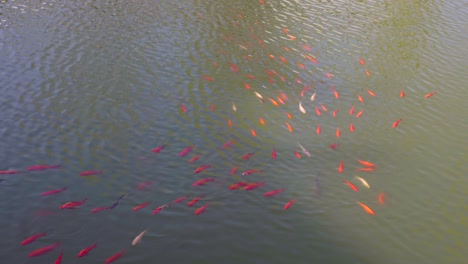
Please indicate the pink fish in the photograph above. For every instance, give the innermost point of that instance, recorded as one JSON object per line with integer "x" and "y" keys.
{"x": 334, "y": 146}
{"x": 43, "y": 250}
{"x": 233, "y": 170}
{"x": 159, "y": 149}
{"x": 90, "y": 172}
{"x": 248, "y": 156}
{"x": 287, "y": 205}
{"x": 253, "y": 186}
{"x": 51, "y": 192}
{"x": 273, "y": 193}
{"x": 73, "y": 205}
{"x": 58, "y": 260}
{"x": 202, "y": 168}
{"x": 248, "y": 172}
{"x": 185, "y": 151}
{"x": 4, "y": 172}
{"x": 159, "y": 209}
{"x": 140, "y": 206}
{"x": 99, "y": 209}
{"x": 115, "y": 257}
{"x": 201, "y": 209}
{"x": 33, "y": 238}
{"x": 194, "y": 159}
{"x": 195, "y": 200}
{"x": 236, "y": 186}
{"x": 203, "y": 181}
{"x": 180, "y": 199}
{"x": 85, "y": 251}
{"x": 42, "y": 167}
{"x": 228, "y": 144}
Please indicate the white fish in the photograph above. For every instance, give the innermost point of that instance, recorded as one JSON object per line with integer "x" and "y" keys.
{"x": 301, "y": 108}
{"x": 364, "y": 182}
{"x": 139, "y": 237}
{"x": 312, "y": 98}
{"x": 307, "y": 153}
{"x": 234, "y": 107}
{"x": 259, "y": 95}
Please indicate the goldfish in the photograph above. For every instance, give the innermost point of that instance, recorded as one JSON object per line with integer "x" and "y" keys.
{"x": 195, "y": 158}
{"x": 90, "y": 172}
{"x": 351, "y": 127}
{"x": 338, "y": 133}
{"x": 364, "y": 182}
{"x": 341, "y": 167}
{"x": 402, "y": 93}
{"x": 367, "y": 72}
{"x": 381, "y": 198}
{"x": 317, "y": 110}
{"x": 141, "y": 206}
{"x": 159, "y": 209}
{"x": 395, "y": 124}
{"x": 73, "y": 205}
{"x": 429, "y": 94}
{"x": 366, "y": 169}
{"x": 248, "y": 172}
{"x": 371, "y": 93}
{"x": 361, "y": 60}
{"x": 201, "y": 209}
{"x": 366, "y": 208}
{"x": 51, "y": 192}
{"x": 115, "y": 257}
{"x": 280, "y": 100}
{"x": 58, "y": 260}
{"x": 289, "y": 127}
{"x": 359, "y": 114}
{"x": 254, "y": 133}
{"x": 351, "y": 111}
{"x": 318, "y": 129}
{"x": 33, "y": 238}
{"x": 233, "y": 170}
{"x": 306, "y": 47}
{"x": 229, "y": 122}
{"x": 273, "y": 192}
{"x": 202, "y": 168}
{"x": 42, "y": 167}
{"x": 262, "y": 121}
{"x": 247, "y": 86}
{"x": 258, "y": 95}
{"x": 288, "y": 204}
{"x": 352, "y": 186}
{"x": 360, "y": 99}
{"x": 138, "y": 238}
{"x": 203, "y": 181}
{"x": 334, "y": 146}
{"x": 282, "y": 59}
{"x": 292, "y": 37}
{"x": 312, "y": 97}
{"x": 208, "y": 78}
{"x": 159, "y": 149}
{"x": 85, "y": 251}
{"x": 335, "y": 112}
{"x": 250, "y": 76}
{"x": 297, "y": 154}
{"x": 43, "y": 250}
{"x": 301, "y": 108}
{"x": 234, "y": 67}
{"x": 324, "y": 108}
{"x": 180, "y": 199}
{"x": 248, "y": 156}
{"x": 329, "y": 75}
{"x": 99, "y": 209}
{"x": 185, "y": 151}
{"x": 183, "y": 108}
{"x": 312, "y": 59}
{"x": 253, "y": 186}
{"x": 283, "y": 96}
{"x": 302, "y": 66}
{"x": 273, "y": 101}
{"x": 273, "y": 154}
{"x": 335, "y": 93}
{"x": 236, "y": 186}
{"x": 194, "y": 200}
{"x": 307, "y": 153}
{"x": 366, "y": 163}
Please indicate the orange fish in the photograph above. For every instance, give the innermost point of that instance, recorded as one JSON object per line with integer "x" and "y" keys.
{"x": 203, "y": 181}
{"x": 312, "y": 59}
{"x": 212, "y": 107}
{"x": 248, "y": 156}
{"x": 329, "y": 75}
{"x": 366, "y": 169}
{"x": 114, "y": 257}
{"x": 202, "y": 168}
{"x": 201, "y": 209}
{"x": 289, "y": 115}
{"x": 402, "y": 93}
{"x": 247, "y": 86}
{"x": 273, "y": 154}
{"x": 396, "y": 123}
{"x": 228, "y": 144}
{"x": 341, "y": 167}
{"x": 370, "y": 92}
{"x": 286, "y": 48}
{"x": 367, "y": 72}
{"x": 359, "y": 114}
{"x": 297, "y": 154}
{"x": 280, "y": 100}
{"x": 382, "y": 198}
{"x": 288, "y": 204}
{"x": 262, "y": 121}
{"x": 351, "y": 185}
{"x": 273, "y": 193}
{"x": 253, "y": 132}
{"x": 292, "y": 37}
{"x": 351, "y": 127}
{"x": 317, "y": 110}
{"x": 194, "y": 200}
{"x": 360, "y": 99}
{"x": 318, "y": 129}
{"x": 289, "y": 127}
{"x": 283, "y": 60}
{"x": 73, "y": 205}
{"x": 271, "y": 56}
{"x": 273, "y": 101}
{"x": 285, "y": 30}
{"x": 338, "y": 133}
{"x": 234, "y": 67}
{"x": 324, "y": 108}
{"x": 306, "y": 47}
{"x": 194, "y": 159}
{"x": 236, "y": 186}
{"x": 300, "y": 65}
{"x": 335, "y": 112}
{"x": 366, "y": 163}
{"x": 351, "y": 111}
{"x": 208, "y": 78}
{"x": 248, "y": 172}
{"x": 361, "y": 60}
{"x": 229, "y": 122}
{"x": 141, "y": 206}
{"x": 429, "y": 94}
{"x": 366, "y": 208}
{"x": 250, "y": 76}
{"x": 335, "y": 93}
{"x": 283, "y": 96}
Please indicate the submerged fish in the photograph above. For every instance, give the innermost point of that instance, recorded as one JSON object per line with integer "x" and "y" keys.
{"x": 33, "y": 238}
{"x": 85, "y": 251}
{"x": 138, "y": 238}
{"x": 43, "y": 250}
{"x": 307, "y": 153}
{"x": 364, "y": 182}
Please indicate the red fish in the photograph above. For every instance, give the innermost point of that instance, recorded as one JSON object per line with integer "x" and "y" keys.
{"x": 288, "y": 204}
{"x": 58, "y": 260}
{"x": 262, "y": 121}
{"x": 402, "y": 93}
{"x": 250, "y": 76}
{"x": 253, "y": 132}
{"x": 359, "y": 114}
{"x": 236, "y": 186}
{"x": 203, "y": 181}
{"x": 352, "y": 186}
{"x": 248, "y": 156}
{"x": 360, "y": 99}
{"x": 114, "y": 257}
{"x": 338, "y": 133}
{"x": 273, "y": 192}
{"x": 180, "y": 199}
{"x": 297, "y": 154}
{"x": 32, "y": 238}
{"x": 351, "y": 127}
{"x": 283, "y": 60}
{"x": 228, "y": 144}
{"x": 233, "y": 170}
{"x": 194, "y": 159}
{"x": 247, "y": 86}
{"x": 248, "y": 172}
{"x": 5, "y": 172}
{"x": 195, "y": 200}
{"x": 85, "y": 251}
{"x": 234, "y": 67}
{"x": 159, "y": 148}
{"x": 335, "y": 93}
{"x": 362, "y": 61}
{"x": 396, "y": 123}
{"x": 212, "y": 107}
{"x": 159, "y": 209}
{"x": 90, "y": 172}
{"x": 312, "y": 59}
{"x": 318, "y": 129}
{"x": 289, "y": 127}
{"x": 273, "y": 154}
{"x": 42, "y": 167}
{"x": 341, "y": 167}
{"x": 51, "y": 192}
{"x": 202, "y": 168}
{"x": 324, "y": 108}
{"x": 289, "y": 115}
{"x": 253, "y": 186}
{"x": 382, "y": 198}
{"x": 201, "y": 209}
{"x": 429, "y": 94}
{"x": 335, "y": 112}
{"x": 365, "y": 169}
{"x": 229, "y": 122}
{"x": 183, "y": 108}
{"x": 317, "y": 110}
{"x": 351, "y": 111}
{"x": 307, "y": 48}
{"x": 43, "y": 250}
{"x": 140, "y": 206}
{"x": 366, "y": 163}
{"x": 366, "y": 208}
{"x": 185, "y": 151}
{"x": 208, "y": 78}
{"x": 99, "y": 209}
{"x": 334, "y": 146}
{"x": 371, "y": 93}
{"x": 73, "y": 205}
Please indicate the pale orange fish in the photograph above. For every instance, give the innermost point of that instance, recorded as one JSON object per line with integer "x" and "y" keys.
{"x": 351, "y": 127}
{"x": 229, "y": 122}
{"x": 283, "y": 96}
{"x": 271, "y": 56}
{"x": 286, "y": 48}
{"x": 285, "y": 30}
{"x": 138, "y": 238}
{"x": 370, "y": 92}
{"x": 367, "y": 72}
{"x": 317, "y": 110}
{"x": 289, "y": 115}
{"x": 273, "y": 101}
{"x": 341, "y": 167}
{"x": 253, "y": 132}
{"x": 359, "y": 114}
{"x": 335, "y": 93}
{"x": 429, "y": 94}
{"x": 280, "y": 100}
{"x": 300, "y": 65}
{"x": 292, "y": 37}
{"x": 289, "y": 127}
{"x": 402, "y": 93}
{"x": 262, "y": 121}
{"x": 361, "y": 60}
{"x": 338, "y": 133}
{"x": 312, "y": 97}
{"x": 258, "y": 95}
{"x": 366, "y": 208}
{"x": 318, "y": 129}
{"x": 360, "y": 99}
{"x": 369, "y": 169}
{"x": 366, "y": 163}
{"x": 382, "y": 198}
{"x": 234, "y": 107}
{"x": 324, "y": 108}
